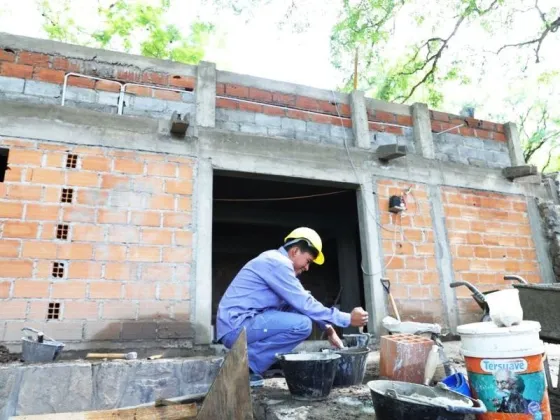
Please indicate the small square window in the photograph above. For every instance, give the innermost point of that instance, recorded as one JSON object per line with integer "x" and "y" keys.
{"x": 58, "y": 270}
{"x": 71, "y": 161}
{"x": 54, "y": 310}
{"x": 67, "y": 195}
{"x": 62, "y": 232}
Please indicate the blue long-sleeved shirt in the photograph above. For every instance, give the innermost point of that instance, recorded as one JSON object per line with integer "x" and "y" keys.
{"x": 269, "y": 282}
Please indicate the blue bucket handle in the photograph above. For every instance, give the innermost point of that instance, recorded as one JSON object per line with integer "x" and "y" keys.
{"x": 38, "y": 332}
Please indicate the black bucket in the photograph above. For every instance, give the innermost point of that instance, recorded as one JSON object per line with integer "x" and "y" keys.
{"x": 309, "y": 376}
{"x": 352, "y": 367}
{"x": 394, "y": 400}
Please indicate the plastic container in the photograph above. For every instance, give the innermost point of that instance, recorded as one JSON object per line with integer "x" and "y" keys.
{"x": 32, "y": 351}
{"x": 393, "y": 400}
{"x": 458, "y": 383}
{"x": 352, "y": 367}
{"x": 309, "y": 376}
{"x": 505, "y": 307}
{"x": 505, "y": 369}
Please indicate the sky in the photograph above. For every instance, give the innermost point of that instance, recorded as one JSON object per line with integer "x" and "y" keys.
{"x": 253, "y": 46}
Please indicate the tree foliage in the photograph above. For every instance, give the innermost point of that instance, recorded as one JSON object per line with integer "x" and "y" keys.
{"x": 414, "y": 52}
{"x": 130, "y": 27}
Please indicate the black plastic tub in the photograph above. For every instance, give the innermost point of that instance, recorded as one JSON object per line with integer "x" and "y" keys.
{"x": 309, "y": 376}
{"x": 352, "y": 367}
{"x": 394, "y": 400}
{"x": 540, "y": 303}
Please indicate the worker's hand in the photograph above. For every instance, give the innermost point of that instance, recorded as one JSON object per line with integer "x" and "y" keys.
{"x": 333, "y": 337}
{"x": 359, "y": 317}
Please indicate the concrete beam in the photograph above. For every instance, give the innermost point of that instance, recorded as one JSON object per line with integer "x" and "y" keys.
{"x": 443, "y": 257}
{"x": 372, "y": 255}
{"x": 422, "y": 130}
{"x": 541, "y": 242}
{"x": 359, "y": 120}
{"x": 514, "y": 144}
{"x": 202, "y": 304}
{"x": 206, "y": 95}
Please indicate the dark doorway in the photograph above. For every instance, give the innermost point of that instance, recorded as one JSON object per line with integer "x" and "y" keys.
{"x": 249, "y": 218}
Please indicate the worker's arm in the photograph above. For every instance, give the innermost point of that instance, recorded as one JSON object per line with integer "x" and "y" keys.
{"x": 281, "y": 278}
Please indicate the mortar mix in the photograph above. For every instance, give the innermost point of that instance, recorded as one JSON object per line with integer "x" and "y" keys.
{"x": 505, "y": 369}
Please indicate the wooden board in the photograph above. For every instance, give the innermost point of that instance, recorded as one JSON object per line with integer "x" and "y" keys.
{"x": 172, "y": 412}
{"x": 229, "y": 396}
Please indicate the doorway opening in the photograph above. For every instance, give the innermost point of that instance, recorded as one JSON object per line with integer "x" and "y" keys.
{"x": 252, "y": 214}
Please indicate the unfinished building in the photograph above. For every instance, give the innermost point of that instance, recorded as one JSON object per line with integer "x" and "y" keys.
{"x": 133, "y": 190}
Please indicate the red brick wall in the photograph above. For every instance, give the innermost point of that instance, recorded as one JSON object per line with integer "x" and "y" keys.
{"x": 52, "y": 69}
{"x": 128, "y": 253}
{"x": 471, "y": 127}
{"x": 409, "y": 251}
{"x": 489, "y": 235}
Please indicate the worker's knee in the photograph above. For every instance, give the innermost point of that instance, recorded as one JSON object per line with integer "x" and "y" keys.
{"x": 304, "y": 326}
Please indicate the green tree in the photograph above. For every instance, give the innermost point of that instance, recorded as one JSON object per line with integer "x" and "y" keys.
{"x": 455, "y": 52}
{"x": 130, "y": 27}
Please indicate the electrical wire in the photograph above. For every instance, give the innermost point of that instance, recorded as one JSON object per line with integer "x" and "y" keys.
{"x": 300, "y": 197}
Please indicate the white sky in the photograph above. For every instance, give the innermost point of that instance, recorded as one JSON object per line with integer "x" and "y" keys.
{"x": 255, "y": 47}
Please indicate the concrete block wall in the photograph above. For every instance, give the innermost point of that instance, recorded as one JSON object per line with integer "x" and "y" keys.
{"x": 469, "y": 141}
{"x": 123, "y": 270}
{"x": 39, "y": 78}
{"x": 277, "y": 114}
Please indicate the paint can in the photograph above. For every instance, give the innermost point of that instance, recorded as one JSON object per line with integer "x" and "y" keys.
{"x": 505, "y": 369}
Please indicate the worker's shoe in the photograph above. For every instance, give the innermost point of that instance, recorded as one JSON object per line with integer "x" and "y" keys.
{"x": 255, "y": 380}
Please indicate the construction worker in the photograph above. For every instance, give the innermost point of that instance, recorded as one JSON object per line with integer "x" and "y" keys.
{"x": 267, "y": 299}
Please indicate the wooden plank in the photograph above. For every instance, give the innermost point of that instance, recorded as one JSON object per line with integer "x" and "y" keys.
{"x": 171, "y": 412}
{"x": 229, "y": 396}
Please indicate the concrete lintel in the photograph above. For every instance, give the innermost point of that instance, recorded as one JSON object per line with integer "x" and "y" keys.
{"x": 206, "y": 95}
{"x": 422, "y": 130}
{"x": 17, "y": 42}
{"x": 541, "y": 242}
{"x": 89, "y": 128}
{"x": 202, "y": 304}
{"x": 444, "y": 257}
{"x": 359, "y": 120}
{"x": 372, "y": 255}
{"x": 377, "y": 105}
{"x": 514, "y": 144}
{"x": 283, "y": 87}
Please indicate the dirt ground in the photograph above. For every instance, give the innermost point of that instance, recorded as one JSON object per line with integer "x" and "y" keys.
{"x": 273, "y": 401}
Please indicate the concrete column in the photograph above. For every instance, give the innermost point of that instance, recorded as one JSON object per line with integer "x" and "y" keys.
{"x": 372, "y": 255}
{"x": 348, "y": 273}
{"x": 541, "y": 243}
{"x": 551, "y": 189}
{"x": 443, "y": 257}
{"x": 206, "y": 95}
{"x": 514, "y": 144}
{"x": 359, "y": 119}
{"x": 202, "y": 305}
{"x": 422, "y": 131}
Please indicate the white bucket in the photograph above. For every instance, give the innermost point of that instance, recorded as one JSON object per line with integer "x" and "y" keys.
{"x": 505, "y": 369}
{"x": 505, "y": 307}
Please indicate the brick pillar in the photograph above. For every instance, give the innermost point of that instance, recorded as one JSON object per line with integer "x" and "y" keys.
{"x": 514, "y": 144}
{"x": 422, "y": 131}
{"x": 359, "y": 120}
{"x": 206, "y": 95}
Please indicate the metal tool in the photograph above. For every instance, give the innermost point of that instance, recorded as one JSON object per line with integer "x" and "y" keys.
{"x": 128, "y": 356}
{"x": 387, "y": 286}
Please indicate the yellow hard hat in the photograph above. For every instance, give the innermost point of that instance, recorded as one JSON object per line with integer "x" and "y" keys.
{"x": 312, "y": 238}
